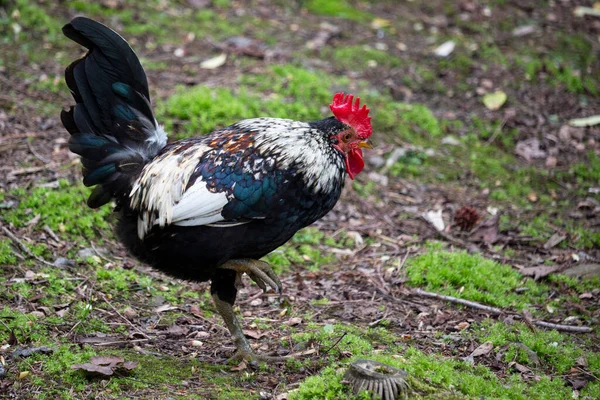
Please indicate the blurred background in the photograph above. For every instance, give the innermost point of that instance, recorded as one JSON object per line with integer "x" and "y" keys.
{"x": 487, "y": 140}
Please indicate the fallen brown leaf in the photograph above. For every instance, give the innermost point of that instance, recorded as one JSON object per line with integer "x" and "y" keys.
{"x": 540, "y": 272}
{"x": 486, "y": 231}
{"x": 254, "y": 334}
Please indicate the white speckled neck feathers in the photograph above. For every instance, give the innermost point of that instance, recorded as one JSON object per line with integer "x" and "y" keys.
{"x": 296, "y": 144}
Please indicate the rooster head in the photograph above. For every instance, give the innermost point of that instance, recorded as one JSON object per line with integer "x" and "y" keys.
{"x": 357, "y": 130}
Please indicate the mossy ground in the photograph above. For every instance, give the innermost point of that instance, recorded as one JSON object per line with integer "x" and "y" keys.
{"x": 439, "y": 148}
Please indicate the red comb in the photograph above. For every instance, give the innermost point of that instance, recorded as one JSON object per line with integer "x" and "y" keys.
{"x": 352, "y": 114}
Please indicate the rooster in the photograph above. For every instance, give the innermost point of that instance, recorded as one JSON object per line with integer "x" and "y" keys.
{"x": 205, "y": 208}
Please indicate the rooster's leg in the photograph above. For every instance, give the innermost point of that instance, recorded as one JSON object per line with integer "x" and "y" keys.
{"x": 224, "y": 290}
{"x": 259, "y": 271}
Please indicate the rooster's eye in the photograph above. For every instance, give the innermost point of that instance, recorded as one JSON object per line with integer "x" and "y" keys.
{"x": 346, "y": 137}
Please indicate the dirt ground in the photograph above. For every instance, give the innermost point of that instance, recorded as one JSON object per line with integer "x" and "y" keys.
{"x": 514, "y": 184}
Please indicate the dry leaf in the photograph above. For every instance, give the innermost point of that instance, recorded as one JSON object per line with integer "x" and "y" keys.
{"x": 175, "y": 331}
{"x": 379, "y": 23}
{"x": 493, "y": 101}
{"x": 521, "y": 368}
{"x": 28, "y": 351}
{"x": 23, "y": 375}
{"x": 587, "y": 121}
{"x": 165, "y": 307}
{"x": 93, "y": 369}
{"x": 435, "y": 218}
{"x": 194, "y": 309}
{"x": 105, "y": 366}
{"x": 254, "y": 334}
{"x": 530, "y": 149}
{"x": 240, "y": 367}
{"x": 482, "y": 350}
{"x": 462, "y": 326}
{"x": 581, "y": 362}
{"x": 554, "y": 240}
{"x": 486, "y": 231}
{"x": 539, "y": 272}
{"x": 215, "y": 62}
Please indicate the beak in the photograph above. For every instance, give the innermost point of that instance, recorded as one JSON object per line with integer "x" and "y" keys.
{"x": 365, "y": 144}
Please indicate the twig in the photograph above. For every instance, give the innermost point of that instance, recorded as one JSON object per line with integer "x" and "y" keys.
{"x": 494, "y": 310}
{"x": 335, "y": 344}
{"x": 566, "y": 328}
{"x": 250, "y": 298}
{"x": 36, "y": 154}
{"x": 403, "y": 260}
{"x": 496, "y": 132}
{"x": 120, "y": 342}
{"x": 468, "y": 303}
{"x": 23, "y": 247}
{"x": 27, "y": 171}
{"x": 50, "y": 232}
{"x": 123, "y": 317}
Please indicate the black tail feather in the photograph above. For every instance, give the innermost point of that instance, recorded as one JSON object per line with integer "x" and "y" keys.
{"x": 112, "y": 126}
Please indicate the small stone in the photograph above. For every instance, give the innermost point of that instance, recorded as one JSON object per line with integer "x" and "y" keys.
{"x": 551, "y": 162}
{"x": 487, "y": 84}
{"x": 85, "y": 253}
{"x": 462, "y": 326}
{"x": 129, "y": 313}
{"x": 524, "y": 30}
{"x": 256, "y": 302}
{"x": 445, "y": 49}
{"x": 37, "y": 314}
{"x": 450, "y": 140}
{"x": 381, "y": 46}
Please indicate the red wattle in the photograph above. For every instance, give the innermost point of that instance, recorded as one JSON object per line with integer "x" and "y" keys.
{"x": 354, "y": 162}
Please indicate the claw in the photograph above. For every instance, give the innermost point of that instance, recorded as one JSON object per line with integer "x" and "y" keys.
{"x": 259, "y": 271}
{"x": 260, "y": 283}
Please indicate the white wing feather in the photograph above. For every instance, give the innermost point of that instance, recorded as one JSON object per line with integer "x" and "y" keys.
{"x": 160, "y": 192}
{"x": 199, "y": 206}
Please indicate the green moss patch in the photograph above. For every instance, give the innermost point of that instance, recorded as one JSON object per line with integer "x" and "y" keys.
{"x": 473, "y": 277}
{"x": 63, "y": 209}
{"x": 337, "y": 8}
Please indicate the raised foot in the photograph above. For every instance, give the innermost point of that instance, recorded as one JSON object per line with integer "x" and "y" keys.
{"x": 259, "y": 271}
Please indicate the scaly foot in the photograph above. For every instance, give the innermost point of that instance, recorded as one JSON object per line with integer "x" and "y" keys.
{"x": 243, "y": 350}
{"x": 259, "y": 271}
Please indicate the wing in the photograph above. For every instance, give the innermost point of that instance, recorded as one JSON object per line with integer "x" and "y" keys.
{"x": 222, "y": 180}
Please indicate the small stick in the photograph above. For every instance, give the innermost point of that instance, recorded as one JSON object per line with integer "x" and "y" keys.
{"x": 123, "y": 317}
{"x": 494, "y": 310}
{"x": 566, "y": 328}
{"x": 23, "y": 247}
{"x": 468, "y": 303}
{"x": 336, "y": 343}
{"x": 50, "y": 232}
{"x": 36, "y": 154}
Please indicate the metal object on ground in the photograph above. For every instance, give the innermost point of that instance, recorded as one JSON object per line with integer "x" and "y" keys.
{"x": 384, "y": 381}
